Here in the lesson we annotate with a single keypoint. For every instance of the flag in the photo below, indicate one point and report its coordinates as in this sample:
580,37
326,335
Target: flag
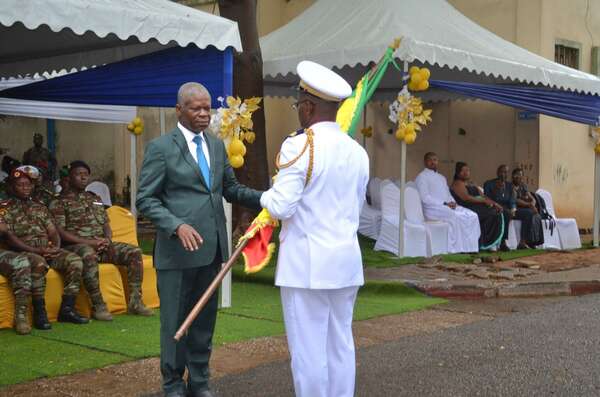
349,113
258,250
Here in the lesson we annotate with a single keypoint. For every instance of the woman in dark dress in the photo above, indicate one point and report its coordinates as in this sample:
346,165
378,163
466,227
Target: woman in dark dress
493,219
532,233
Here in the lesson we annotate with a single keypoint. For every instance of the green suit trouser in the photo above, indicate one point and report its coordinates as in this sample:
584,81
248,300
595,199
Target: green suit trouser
179,290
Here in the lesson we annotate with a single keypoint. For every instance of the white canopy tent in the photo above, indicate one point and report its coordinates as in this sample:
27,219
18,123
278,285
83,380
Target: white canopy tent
433,33
43,36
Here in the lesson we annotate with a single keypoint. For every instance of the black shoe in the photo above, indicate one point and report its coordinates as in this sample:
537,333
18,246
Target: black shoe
40,317
504,247
68,314
177,393
203,393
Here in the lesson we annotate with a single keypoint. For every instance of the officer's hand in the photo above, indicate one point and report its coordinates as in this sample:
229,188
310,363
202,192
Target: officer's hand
189,237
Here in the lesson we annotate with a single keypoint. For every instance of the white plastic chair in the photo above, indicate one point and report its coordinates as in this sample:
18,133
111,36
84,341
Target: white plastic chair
437,231
415,235
568,232
102,190
514,234
370,215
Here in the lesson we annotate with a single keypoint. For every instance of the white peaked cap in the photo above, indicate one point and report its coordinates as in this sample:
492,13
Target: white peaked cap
322,82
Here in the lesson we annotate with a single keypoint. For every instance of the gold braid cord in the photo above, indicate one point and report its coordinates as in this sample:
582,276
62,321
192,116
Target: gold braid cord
310,145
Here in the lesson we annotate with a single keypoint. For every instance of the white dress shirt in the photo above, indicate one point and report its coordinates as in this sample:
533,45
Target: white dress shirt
189,138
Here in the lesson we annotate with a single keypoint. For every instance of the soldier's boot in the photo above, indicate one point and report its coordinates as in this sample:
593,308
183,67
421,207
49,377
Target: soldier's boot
40,317
99,310
22,326
136,306
68,314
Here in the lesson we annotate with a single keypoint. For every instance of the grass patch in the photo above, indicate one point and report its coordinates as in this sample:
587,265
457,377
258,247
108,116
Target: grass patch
256,312
30,357
381,259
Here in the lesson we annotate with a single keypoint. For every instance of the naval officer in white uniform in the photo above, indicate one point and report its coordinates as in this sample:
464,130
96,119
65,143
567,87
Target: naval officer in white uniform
317,195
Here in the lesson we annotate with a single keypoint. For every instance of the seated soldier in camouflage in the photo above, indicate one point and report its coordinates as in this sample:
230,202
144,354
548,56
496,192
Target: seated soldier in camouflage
30,230
85,229
42,193
26,279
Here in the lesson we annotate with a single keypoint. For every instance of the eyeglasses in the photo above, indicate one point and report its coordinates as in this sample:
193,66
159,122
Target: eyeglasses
297,104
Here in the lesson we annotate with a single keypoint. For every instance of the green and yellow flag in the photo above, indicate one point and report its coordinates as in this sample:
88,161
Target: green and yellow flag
349,113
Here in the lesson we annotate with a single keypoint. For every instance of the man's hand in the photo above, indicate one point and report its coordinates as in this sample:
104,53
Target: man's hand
100,244
49,252
189,237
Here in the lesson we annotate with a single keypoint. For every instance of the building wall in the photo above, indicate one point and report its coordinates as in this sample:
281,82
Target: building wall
566,150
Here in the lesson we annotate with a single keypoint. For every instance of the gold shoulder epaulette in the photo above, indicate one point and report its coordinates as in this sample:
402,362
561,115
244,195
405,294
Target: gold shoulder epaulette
310,144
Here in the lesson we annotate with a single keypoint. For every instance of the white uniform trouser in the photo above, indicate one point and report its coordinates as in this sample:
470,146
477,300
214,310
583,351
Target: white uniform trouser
318,324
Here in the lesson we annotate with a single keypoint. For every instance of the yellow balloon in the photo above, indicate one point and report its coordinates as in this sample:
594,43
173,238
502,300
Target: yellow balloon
137,121
410,138
138,130
400,133
130,127
412,86
237,147
250,137
413,70
410,129
236,161
597,149
423,85
425,73
415,78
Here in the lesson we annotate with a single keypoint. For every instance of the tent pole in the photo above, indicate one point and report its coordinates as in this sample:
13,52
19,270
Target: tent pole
226,283
161,117
402,185
133,173
596,198
401,201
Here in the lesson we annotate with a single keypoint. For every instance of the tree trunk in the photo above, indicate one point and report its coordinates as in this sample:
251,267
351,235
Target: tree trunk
248,82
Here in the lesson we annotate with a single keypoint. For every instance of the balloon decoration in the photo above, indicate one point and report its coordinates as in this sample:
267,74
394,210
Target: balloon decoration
136,126
408,114
596,136
233,124
419,78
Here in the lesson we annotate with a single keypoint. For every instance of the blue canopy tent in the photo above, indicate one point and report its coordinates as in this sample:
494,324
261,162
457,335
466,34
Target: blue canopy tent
146,80
580,108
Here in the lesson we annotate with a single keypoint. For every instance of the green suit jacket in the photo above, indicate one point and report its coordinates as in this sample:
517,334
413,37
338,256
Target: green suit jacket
172,191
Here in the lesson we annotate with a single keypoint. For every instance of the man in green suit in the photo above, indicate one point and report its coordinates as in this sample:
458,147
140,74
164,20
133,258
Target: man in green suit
184,177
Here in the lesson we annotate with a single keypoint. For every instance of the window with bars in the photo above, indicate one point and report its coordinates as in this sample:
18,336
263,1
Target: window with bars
566,55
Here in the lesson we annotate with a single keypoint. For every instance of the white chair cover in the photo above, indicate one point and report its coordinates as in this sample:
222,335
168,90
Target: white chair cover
566,230
415,235
374,189
102,190
437,232
514,234
370,215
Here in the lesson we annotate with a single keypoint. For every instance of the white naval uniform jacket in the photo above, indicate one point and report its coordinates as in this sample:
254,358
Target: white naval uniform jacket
318,242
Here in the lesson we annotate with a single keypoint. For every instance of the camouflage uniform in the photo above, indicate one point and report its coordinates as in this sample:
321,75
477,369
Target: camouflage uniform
29,221
83,215
42,194
26,279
